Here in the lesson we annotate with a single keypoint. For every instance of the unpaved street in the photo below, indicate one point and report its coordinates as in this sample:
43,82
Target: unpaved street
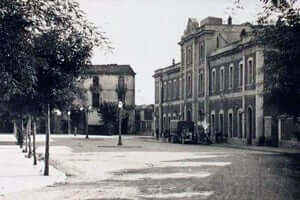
144,168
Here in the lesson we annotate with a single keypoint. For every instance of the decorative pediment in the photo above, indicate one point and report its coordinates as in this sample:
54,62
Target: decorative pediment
192,26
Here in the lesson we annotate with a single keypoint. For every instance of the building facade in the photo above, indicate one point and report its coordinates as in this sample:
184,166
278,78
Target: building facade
109,83
144,119
218,80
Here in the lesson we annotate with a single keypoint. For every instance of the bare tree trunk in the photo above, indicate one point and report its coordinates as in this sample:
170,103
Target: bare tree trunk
33,142
25,134
46,171
86,128
29,137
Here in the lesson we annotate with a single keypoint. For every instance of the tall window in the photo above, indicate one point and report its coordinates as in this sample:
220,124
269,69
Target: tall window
241,71
95,100
201,51
213,80
218,42
165,89
231,76
156,92
121,82
222,80
189,85
170,90
213,120
250,71
201,83
174,88
95,81
189,55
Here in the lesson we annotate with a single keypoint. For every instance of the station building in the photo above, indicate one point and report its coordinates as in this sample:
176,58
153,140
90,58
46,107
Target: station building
219,80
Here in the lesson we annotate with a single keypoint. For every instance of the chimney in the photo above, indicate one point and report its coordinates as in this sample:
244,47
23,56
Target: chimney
173,61
229,20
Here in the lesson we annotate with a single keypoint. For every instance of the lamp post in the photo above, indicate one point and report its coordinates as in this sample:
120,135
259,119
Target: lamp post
120,106
69,122
86,110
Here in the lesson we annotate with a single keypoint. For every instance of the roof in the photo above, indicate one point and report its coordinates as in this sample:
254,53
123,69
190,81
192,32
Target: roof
169,69
114,69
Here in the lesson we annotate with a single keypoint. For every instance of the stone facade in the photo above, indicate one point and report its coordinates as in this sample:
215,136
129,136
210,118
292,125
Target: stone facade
102,85
218,80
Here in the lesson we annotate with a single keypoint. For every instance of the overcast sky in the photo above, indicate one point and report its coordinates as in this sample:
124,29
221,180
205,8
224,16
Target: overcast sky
145,33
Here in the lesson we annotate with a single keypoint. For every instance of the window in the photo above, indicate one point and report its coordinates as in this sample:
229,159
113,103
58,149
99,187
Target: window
213,120
241,71
218,42
174,88
201,51
96,81
170,90
189,85
221,121
230,124
121,82
213,80
156,92
240,123
231,76
189,55
250,71
177,89
165,89
95,100
222,80
201,83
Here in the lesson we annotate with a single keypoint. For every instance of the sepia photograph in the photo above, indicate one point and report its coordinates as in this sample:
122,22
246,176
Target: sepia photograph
149,100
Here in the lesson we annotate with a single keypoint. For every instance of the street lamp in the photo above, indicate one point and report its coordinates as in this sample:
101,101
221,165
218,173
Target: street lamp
120,106
86,110
69,122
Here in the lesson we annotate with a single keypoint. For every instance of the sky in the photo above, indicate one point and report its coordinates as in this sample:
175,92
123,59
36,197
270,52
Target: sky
145,33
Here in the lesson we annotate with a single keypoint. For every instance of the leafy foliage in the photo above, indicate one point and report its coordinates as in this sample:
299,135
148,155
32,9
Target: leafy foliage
279,32
109,114
46,46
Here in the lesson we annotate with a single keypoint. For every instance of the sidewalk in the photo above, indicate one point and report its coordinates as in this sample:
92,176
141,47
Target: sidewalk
260,148
17,173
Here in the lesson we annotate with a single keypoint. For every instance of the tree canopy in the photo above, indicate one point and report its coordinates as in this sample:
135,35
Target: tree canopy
46,46
279,32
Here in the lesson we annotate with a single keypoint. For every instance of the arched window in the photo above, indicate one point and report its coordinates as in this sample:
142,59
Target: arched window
250,71
222,79
241,72
213,122
231,76
221,121
230,123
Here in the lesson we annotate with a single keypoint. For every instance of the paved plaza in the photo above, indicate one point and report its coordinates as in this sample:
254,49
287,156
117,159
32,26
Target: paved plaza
144,168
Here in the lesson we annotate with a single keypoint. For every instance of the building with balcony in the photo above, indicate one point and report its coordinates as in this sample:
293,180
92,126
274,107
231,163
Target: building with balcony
109,83
218,80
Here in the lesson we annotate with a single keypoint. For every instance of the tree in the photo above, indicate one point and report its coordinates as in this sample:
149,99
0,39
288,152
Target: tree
278,31
109,113
47,46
